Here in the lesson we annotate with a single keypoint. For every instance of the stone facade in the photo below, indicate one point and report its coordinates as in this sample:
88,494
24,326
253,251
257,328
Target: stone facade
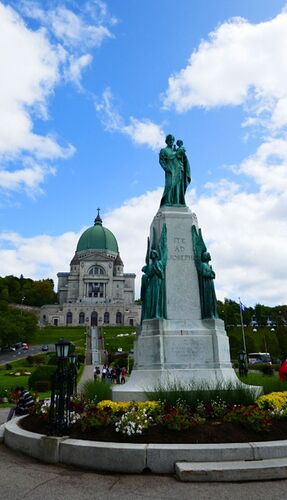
96,291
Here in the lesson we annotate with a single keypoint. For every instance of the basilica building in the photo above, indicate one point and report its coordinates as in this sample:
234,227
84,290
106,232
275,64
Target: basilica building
96,291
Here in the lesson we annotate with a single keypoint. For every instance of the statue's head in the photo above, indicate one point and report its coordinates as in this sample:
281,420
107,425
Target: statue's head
205,257
169,140
179,143
154,255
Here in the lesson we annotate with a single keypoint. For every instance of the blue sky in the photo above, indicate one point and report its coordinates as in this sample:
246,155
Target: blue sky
89,90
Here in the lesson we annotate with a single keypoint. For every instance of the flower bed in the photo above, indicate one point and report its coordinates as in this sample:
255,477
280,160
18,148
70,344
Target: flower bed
159,422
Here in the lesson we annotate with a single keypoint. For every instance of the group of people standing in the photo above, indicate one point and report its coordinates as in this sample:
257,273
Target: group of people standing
110,375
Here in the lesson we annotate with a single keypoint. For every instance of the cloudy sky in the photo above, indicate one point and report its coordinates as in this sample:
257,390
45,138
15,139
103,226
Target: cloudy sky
88,91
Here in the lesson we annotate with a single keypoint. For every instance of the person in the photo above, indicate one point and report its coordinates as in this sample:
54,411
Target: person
282,371
123,375
97,372
24,403
177,172
104,373
118,374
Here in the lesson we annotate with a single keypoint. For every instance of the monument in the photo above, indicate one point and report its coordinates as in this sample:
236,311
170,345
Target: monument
181,340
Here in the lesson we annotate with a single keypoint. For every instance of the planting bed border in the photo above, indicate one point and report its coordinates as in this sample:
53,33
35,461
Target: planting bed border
253,457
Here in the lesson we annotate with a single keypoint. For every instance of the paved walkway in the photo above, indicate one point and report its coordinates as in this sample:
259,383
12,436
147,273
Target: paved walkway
88,374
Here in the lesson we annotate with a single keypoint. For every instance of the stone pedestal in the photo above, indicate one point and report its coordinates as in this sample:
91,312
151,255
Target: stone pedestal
183,348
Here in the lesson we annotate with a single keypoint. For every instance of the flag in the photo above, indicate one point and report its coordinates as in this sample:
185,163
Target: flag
242,306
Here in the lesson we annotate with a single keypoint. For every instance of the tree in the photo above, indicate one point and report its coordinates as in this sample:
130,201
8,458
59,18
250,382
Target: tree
17,326
282,337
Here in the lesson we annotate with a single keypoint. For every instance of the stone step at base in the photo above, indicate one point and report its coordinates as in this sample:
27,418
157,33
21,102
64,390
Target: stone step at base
253,470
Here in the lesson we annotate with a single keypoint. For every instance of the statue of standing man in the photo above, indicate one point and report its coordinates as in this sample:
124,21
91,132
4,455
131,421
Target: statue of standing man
175,163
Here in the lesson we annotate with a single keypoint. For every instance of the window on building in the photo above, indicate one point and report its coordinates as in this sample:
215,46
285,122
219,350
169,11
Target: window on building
131,322
96,271
69,318
95,289
94,318
81,318
119,318
106,317
55,322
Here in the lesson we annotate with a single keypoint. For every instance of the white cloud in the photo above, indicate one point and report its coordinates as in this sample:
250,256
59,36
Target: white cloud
142,132
37,257
76,67
31,68
82,27
240,63
34,61
28,178
145,132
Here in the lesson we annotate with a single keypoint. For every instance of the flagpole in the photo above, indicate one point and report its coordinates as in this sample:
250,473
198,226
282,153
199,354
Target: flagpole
242,327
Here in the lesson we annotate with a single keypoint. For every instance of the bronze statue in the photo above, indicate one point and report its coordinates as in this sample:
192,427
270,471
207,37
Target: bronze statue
153,279
206,276
175,163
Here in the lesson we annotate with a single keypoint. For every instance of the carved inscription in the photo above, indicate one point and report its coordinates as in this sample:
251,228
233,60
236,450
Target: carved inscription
179,250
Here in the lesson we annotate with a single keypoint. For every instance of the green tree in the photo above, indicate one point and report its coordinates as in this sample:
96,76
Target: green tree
281,331
16,326
4,299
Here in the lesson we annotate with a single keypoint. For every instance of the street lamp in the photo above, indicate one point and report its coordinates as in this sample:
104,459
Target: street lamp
62,390
242,358
62,348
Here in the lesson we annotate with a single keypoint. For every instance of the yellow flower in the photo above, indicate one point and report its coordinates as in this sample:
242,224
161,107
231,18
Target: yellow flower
273,401
123,406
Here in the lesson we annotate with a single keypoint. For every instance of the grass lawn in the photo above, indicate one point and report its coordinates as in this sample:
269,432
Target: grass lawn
116,337
51,335
9,382
270,383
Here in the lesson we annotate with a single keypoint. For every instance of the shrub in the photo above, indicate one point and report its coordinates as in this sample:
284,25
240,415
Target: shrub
230,393
41,374
43,386
40,359
52,360
30,360
96,390
267,370
8,366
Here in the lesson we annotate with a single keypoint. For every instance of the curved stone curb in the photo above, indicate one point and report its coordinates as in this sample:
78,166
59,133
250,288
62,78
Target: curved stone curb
135,458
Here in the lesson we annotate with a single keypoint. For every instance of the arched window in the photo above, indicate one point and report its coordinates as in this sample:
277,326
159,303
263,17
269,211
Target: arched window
69,318
106,317
96,271
81,318
119,318
94,318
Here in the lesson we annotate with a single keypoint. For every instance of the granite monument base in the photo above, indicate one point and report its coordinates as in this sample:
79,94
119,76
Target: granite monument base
178,353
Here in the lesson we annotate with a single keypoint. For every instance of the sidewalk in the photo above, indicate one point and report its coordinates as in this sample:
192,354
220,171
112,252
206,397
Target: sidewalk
88,374
3,414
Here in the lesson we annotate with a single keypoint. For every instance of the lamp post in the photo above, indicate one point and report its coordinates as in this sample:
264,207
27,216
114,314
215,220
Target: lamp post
62,390
73,358
242,358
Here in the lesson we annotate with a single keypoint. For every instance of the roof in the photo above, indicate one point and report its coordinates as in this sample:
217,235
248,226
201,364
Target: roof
98,237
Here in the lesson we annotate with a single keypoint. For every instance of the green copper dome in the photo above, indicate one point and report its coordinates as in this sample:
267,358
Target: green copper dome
98,237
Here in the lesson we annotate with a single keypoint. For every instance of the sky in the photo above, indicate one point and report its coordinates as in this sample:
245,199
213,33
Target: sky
88,92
